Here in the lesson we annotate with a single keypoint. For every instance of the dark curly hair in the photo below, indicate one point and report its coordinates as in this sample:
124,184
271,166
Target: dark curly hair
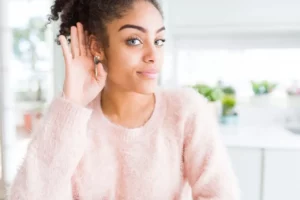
93,14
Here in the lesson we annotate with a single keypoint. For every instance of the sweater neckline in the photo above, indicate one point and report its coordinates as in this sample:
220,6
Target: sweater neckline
149,126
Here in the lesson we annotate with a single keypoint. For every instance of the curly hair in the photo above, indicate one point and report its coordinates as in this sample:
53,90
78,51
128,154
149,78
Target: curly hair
93,14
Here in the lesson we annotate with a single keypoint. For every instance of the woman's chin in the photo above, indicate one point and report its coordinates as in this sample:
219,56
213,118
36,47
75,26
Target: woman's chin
148,88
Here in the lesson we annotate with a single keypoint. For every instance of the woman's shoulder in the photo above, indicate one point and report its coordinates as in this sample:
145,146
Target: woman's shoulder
184,99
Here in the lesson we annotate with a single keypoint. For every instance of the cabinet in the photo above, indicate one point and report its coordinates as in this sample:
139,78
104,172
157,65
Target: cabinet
247,164
281,176
267,174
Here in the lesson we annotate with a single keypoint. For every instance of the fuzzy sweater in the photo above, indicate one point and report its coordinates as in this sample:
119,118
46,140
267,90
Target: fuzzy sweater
78,154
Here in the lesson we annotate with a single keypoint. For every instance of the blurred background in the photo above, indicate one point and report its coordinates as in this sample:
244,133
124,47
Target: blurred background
243,56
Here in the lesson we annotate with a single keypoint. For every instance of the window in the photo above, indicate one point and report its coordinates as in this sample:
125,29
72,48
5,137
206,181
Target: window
31,59
27,74
31,50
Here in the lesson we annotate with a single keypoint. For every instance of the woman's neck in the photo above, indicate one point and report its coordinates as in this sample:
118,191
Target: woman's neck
127,108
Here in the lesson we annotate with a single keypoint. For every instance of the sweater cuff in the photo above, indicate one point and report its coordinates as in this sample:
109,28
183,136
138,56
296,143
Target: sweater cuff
67,114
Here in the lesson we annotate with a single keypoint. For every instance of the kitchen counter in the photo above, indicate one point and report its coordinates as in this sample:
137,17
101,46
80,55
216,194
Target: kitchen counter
261,155
269,137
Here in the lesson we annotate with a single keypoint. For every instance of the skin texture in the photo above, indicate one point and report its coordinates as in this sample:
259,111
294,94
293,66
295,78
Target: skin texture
135,45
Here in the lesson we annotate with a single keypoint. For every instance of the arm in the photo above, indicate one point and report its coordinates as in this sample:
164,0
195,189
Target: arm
206,162
53,154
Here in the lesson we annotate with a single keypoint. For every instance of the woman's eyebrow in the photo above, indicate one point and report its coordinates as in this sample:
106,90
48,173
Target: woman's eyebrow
140,28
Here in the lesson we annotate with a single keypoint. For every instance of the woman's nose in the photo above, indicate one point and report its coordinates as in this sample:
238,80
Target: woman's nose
150,55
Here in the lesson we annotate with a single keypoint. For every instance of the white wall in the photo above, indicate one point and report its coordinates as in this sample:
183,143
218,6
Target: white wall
236,22
232,24
235,14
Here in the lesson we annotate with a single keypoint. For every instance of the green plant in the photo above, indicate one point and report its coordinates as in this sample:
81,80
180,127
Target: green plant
228,104
263,87
211,93
228,90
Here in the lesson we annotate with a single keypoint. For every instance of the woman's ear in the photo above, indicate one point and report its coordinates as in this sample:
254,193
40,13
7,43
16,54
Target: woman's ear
96,48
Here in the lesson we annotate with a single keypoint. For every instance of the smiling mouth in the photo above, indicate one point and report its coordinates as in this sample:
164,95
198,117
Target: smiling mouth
148,75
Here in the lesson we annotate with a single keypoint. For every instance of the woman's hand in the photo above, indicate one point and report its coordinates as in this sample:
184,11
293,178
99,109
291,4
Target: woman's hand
81,84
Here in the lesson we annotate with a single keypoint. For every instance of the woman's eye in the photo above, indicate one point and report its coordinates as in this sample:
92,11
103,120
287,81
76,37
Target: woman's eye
133,42
160,42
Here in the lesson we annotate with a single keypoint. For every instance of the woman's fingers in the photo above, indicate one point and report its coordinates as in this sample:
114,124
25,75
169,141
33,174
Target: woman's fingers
65,49
81,39
74,42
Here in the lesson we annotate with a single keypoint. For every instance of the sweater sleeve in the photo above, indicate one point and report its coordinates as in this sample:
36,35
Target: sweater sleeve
206,162
53,154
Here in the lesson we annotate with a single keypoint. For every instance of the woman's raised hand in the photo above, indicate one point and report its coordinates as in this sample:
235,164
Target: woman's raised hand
83,79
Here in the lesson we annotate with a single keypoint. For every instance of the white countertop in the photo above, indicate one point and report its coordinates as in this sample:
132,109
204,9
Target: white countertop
271,137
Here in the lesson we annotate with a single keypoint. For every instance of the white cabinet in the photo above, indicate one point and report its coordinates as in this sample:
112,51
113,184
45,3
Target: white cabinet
281,175
267,174
247,166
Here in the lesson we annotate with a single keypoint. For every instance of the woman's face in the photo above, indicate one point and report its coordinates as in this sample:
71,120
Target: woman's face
135,54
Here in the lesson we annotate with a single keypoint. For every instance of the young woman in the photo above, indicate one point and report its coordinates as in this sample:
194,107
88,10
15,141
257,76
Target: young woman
113,134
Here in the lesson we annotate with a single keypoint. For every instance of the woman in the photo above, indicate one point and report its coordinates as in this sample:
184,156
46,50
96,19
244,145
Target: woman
114,135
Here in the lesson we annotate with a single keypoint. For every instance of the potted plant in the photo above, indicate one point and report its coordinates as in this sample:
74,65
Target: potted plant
263,87
229,114
262,91
228,103
229,90
213,95
293,93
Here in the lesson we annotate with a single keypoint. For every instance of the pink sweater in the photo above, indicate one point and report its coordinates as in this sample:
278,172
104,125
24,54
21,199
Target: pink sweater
78,154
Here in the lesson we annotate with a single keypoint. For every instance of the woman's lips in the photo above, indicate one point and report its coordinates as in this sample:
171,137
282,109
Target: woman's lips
151,74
